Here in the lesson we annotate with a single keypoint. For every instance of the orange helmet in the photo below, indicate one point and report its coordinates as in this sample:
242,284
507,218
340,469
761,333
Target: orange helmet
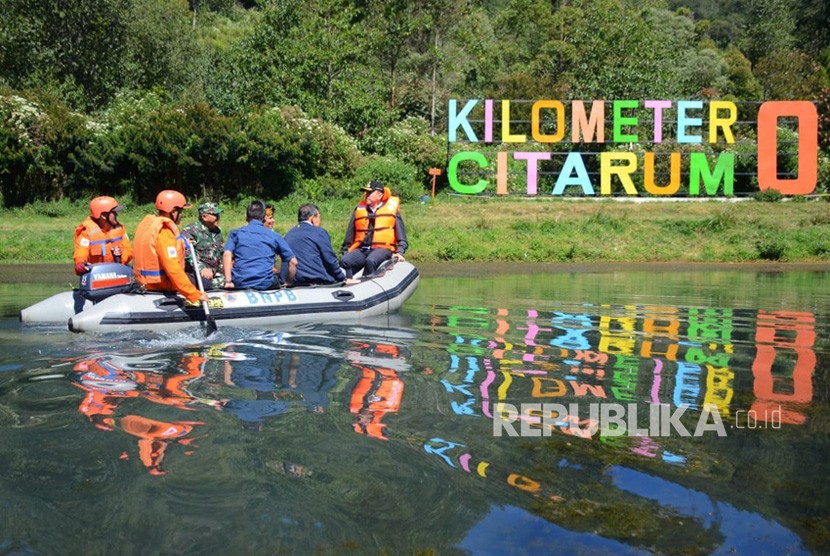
169,199
100,205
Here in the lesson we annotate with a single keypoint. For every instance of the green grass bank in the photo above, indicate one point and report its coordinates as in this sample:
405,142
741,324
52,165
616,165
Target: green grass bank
543,229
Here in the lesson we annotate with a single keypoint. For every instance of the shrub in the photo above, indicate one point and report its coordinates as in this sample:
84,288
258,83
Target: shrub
41,142
768,196
269,153
823,180
324,187
324,148
409,141
400,177
148,142
770,248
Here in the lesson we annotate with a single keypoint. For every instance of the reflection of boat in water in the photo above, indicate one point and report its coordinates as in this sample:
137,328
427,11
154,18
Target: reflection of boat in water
383,293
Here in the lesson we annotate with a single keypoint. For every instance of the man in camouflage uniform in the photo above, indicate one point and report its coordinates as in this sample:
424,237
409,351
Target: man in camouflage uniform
209,243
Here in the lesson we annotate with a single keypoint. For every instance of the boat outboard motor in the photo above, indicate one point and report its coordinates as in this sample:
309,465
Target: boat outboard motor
104,280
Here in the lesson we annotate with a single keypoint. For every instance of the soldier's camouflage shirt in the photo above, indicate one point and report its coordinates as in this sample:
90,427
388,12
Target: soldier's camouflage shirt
209,246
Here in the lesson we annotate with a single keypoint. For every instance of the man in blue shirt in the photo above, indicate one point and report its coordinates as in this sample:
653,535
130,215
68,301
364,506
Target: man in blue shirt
251,252
316,261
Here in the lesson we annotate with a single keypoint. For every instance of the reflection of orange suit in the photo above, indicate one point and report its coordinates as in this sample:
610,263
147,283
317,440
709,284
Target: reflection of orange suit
155,436
107,385
378,392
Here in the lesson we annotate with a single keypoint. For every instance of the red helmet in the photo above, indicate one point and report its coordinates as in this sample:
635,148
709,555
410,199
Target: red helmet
100,205
169,199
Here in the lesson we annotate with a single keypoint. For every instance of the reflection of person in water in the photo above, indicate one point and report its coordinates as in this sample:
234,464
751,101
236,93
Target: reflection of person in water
284,379
309,375
256,377
155,436
378,391
108,381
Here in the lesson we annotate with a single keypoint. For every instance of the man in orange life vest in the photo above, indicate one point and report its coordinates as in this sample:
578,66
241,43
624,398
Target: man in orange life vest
160,249
100,238
376,232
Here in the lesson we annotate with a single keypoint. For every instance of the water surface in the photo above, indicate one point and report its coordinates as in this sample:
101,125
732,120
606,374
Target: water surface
399,434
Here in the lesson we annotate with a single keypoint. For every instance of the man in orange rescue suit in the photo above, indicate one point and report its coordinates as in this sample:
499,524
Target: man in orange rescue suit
160,249
376,232
100,238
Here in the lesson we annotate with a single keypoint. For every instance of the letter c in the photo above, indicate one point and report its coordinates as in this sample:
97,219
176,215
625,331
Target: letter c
452,172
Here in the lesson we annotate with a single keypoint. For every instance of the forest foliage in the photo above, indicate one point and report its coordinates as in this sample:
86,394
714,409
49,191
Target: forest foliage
229,98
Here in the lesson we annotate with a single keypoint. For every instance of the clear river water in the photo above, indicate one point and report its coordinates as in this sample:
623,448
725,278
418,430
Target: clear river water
505,410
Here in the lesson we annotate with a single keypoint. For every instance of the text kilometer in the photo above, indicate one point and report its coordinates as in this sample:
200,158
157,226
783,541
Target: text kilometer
610,419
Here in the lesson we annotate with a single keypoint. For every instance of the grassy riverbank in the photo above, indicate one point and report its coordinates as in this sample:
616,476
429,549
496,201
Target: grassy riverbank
511,230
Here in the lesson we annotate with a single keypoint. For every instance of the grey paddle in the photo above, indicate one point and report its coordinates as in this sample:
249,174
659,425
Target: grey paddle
210,326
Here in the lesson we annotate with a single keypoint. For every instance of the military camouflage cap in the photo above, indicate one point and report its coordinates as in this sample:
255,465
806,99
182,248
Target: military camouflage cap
209,208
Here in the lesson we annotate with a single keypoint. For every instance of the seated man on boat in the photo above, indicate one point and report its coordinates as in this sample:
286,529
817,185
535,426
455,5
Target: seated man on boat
376,232
316,260
100,238
209,244
160,249
269,216
251,253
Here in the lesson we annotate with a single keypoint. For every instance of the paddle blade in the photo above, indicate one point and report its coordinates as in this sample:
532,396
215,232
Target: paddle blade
210,325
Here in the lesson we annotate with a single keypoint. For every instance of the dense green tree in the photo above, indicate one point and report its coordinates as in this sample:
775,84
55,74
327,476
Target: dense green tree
89,51
813,29
441,54
309,54
274,96
160,50
392,24
76,47
624,52
742,83
788,75
534,52
770,26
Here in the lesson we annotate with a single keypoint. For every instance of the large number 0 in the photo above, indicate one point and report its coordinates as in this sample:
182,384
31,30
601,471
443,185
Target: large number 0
807,116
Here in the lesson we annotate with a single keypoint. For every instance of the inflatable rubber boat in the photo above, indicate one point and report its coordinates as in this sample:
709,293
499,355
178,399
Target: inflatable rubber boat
100,304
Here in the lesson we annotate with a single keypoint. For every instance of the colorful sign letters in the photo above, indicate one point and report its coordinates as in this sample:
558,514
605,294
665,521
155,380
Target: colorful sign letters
699,135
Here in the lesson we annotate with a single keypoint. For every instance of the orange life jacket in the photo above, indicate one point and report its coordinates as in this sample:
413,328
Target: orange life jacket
106,385
382,225
378,392
93,245
172,389
154,437
147,267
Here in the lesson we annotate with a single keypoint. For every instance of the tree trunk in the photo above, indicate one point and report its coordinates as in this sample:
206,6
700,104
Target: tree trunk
434,87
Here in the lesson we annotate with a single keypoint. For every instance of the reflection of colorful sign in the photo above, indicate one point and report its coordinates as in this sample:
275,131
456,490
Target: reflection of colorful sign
779,336
686,124
658,356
